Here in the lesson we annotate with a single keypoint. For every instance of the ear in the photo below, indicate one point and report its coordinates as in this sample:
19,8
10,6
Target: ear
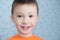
12,18
37,19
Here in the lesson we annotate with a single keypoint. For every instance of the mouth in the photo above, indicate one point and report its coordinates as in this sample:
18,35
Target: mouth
25,27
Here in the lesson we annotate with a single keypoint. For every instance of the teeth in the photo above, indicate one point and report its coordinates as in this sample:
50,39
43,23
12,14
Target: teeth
25,26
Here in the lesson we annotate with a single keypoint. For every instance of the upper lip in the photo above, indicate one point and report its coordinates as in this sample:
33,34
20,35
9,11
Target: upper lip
25,26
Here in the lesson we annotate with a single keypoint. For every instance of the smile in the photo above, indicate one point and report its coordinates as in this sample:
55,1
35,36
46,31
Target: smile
25,27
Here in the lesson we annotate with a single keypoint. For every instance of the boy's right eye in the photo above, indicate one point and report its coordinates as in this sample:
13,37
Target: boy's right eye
19,16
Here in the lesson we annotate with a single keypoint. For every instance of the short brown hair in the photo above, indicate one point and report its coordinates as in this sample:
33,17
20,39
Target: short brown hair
24,2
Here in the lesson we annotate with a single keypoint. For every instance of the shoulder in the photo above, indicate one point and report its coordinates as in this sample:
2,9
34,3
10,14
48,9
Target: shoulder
13,37
38,38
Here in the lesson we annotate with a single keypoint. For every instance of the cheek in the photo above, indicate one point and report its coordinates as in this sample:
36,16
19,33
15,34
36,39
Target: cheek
18,21
33,22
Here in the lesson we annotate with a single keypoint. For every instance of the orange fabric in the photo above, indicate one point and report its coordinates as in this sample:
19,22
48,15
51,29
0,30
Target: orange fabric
17,37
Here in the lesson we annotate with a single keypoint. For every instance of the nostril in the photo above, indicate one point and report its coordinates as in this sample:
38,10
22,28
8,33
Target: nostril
25,22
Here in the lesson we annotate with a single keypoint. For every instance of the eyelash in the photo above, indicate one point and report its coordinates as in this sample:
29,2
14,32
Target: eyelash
19,16
30,16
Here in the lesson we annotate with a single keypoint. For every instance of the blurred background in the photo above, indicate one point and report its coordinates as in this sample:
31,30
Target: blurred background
48,26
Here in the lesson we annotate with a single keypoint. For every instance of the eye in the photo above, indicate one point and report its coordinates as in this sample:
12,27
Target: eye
19,16
30,16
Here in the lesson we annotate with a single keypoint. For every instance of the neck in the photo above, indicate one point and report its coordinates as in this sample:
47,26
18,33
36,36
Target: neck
25,35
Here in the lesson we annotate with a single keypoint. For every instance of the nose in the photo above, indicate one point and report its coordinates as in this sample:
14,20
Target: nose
25,21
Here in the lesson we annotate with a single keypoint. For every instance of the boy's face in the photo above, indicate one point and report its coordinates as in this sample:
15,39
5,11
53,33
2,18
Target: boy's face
25,17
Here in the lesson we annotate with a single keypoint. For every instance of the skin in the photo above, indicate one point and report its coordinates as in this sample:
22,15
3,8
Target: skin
25,18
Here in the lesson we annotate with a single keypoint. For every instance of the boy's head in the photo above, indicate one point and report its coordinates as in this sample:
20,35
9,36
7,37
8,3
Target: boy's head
22,2
25,15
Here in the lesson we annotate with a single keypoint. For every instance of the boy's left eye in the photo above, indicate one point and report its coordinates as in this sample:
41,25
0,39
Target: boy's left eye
19,16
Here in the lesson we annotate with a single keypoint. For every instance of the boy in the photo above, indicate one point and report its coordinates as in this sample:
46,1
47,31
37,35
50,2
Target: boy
25,16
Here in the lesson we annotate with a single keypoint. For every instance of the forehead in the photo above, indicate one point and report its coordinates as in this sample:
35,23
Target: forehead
25,8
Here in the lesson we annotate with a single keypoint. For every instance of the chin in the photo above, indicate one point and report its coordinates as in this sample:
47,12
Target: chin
26,32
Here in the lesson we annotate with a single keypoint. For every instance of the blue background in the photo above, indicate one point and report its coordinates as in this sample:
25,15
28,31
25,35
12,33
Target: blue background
48,26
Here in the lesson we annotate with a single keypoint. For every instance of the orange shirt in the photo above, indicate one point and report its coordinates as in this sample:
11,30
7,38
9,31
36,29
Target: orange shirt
18,37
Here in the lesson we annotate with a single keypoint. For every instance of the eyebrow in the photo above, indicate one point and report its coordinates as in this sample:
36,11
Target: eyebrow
19,13
22,13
